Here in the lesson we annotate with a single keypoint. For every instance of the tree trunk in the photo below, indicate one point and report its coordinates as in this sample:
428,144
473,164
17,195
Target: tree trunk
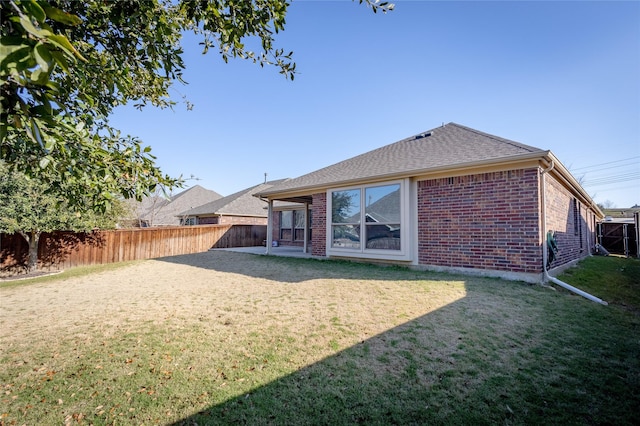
33,239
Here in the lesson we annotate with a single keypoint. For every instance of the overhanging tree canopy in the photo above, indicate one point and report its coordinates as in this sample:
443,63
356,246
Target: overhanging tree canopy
65,65
27,209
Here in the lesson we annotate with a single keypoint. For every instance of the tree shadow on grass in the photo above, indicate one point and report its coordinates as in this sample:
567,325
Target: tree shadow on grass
396,377
505,353
457,365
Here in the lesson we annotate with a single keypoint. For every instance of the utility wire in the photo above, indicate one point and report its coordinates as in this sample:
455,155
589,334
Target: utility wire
597,175
618,166
607,163
625,177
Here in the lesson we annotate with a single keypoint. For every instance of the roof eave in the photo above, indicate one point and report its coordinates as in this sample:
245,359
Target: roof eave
309,189
570,180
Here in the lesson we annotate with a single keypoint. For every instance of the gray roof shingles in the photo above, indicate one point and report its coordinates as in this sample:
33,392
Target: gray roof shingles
241,203
163,211
449,145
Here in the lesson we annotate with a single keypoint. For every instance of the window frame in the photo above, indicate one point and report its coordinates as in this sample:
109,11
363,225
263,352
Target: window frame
294,233
298,230
283,229
189,221
362,251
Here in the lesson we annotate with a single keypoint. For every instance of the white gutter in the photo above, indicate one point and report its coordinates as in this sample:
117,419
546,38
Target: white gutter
548,277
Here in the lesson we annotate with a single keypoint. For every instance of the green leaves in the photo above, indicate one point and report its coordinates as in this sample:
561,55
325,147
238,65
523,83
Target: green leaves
383,6
34,10
43,56
64,68
30,206
16,57
234,22
61,16
44,162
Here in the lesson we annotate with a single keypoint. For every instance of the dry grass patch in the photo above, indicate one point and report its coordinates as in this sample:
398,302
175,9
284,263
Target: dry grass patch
225,337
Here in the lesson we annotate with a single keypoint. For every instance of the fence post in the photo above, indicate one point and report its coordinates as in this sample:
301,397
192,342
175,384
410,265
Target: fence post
636,216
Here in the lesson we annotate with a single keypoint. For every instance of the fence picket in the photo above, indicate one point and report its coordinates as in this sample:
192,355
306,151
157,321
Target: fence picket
61,250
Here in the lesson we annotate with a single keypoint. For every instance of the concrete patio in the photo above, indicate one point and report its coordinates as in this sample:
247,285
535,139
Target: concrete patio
284,251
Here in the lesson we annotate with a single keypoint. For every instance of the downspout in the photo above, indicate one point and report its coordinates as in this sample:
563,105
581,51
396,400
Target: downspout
548,277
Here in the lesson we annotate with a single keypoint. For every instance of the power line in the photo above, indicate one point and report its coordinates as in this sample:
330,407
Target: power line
626,187
598,175
618,166
625,177
607,163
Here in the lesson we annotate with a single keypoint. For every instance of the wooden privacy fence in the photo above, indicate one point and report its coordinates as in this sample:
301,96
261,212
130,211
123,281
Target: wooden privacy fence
61,250
620,238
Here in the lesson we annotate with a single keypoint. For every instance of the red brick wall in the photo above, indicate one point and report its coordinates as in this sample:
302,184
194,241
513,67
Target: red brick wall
319,225
482,221
242,220
572,222
275,232
232,220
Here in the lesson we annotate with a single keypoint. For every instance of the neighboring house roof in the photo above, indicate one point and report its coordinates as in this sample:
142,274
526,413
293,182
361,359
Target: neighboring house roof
448,146
385,209
621,215
242,203
162,211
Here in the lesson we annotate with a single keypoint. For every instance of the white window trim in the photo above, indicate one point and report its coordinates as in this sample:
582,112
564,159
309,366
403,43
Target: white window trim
406,249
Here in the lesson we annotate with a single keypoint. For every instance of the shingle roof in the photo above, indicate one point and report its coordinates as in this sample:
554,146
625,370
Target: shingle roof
162,211
242,203
450,145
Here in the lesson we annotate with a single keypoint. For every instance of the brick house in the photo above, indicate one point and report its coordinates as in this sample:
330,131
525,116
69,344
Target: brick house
240,208
451,199
157,210
288,224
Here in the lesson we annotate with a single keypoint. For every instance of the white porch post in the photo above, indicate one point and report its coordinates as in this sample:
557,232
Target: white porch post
269,226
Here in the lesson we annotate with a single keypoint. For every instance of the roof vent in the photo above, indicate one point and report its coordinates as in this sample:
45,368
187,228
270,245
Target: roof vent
423,135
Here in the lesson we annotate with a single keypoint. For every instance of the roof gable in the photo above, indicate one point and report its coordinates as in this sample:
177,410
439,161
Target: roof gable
162,211
448,146
241,203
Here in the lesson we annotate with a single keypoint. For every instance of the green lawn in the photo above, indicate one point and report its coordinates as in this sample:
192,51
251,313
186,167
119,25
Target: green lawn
343,343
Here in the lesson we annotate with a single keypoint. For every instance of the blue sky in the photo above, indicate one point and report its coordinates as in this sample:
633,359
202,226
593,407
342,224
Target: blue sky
563,76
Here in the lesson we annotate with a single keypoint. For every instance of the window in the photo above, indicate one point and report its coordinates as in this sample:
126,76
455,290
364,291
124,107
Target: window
292,225
298,221
367,218
189,221
286,222
382,217
345,218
